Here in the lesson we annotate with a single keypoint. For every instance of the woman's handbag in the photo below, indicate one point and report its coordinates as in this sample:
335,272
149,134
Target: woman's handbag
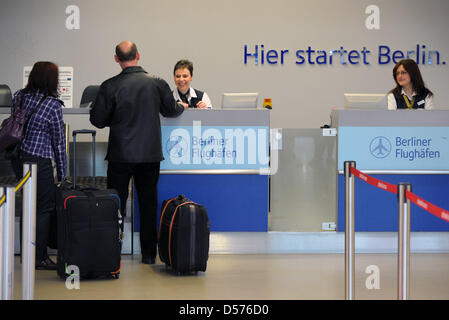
12,153
13,128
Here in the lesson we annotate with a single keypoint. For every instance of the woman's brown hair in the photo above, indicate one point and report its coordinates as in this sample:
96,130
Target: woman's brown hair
44,77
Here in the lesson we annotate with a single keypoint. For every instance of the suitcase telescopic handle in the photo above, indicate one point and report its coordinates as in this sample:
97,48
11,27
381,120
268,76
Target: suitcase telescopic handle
84,131
75,133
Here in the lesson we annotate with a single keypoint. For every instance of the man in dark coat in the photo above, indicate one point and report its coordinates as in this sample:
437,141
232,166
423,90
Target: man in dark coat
130,104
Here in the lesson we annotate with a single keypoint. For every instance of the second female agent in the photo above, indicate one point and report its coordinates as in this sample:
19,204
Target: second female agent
410,91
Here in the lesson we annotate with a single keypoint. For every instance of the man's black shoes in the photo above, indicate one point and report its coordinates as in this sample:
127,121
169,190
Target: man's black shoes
45,264
147,260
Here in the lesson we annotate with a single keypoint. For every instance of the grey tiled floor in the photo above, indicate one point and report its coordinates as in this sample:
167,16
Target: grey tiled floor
254,276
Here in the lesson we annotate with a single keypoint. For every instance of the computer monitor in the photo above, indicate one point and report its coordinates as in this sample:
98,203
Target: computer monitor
240,100
5,96
89,95
365,101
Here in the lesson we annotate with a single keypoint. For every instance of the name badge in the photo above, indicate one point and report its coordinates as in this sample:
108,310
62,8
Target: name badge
421,102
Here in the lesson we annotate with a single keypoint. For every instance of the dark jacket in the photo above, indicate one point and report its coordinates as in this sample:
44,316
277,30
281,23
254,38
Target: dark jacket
129,104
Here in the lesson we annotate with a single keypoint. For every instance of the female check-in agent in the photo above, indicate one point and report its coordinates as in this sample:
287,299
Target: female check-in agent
184,94
410,91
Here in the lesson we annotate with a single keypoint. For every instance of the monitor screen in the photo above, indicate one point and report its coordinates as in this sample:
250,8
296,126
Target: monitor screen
5,96
365,101
240,100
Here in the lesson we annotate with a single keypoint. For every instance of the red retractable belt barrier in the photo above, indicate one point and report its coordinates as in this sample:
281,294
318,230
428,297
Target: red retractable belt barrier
429,207
420,202
375,182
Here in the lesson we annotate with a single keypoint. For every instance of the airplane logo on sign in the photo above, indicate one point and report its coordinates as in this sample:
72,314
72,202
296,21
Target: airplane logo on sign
176,146
380,147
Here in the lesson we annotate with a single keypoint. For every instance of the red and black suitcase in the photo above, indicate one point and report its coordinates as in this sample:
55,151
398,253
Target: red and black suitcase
184,231
88,227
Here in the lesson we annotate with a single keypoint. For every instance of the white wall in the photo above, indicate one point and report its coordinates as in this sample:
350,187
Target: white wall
213,33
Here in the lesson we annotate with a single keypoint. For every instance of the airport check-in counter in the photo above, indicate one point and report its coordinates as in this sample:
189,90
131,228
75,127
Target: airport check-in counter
393,146
217,158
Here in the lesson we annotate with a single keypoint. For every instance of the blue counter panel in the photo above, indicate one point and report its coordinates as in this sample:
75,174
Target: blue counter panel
233,202
377,210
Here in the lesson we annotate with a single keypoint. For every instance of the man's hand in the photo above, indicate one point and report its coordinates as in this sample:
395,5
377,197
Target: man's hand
185,105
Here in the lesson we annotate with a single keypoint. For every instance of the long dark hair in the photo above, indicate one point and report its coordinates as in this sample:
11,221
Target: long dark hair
415,77
44,77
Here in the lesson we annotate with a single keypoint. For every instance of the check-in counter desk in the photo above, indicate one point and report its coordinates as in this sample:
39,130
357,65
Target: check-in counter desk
217,158
394,146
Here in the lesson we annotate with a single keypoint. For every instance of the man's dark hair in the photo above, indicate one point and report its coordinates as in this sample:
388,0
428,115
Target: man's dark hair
184,64
126,56
44,77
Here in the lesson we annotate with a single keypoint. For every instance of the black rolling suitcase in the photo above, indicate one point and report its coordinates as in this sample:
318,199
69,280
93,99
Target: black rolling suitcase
184,235
88,226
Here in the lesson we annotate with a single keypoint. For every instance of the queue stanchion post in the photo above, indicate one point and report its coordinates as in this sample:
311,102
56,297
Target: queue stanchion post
349,230
8,244
404,242
2,240
29,231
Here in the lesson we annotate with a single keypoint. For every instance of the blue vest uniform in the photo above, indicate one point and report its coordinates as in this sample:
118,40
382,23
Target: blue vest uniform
418,104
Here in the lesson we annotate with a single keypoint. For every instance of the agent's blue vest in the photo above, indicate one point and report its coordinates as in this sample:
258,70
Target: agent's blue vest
194,101
419,103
